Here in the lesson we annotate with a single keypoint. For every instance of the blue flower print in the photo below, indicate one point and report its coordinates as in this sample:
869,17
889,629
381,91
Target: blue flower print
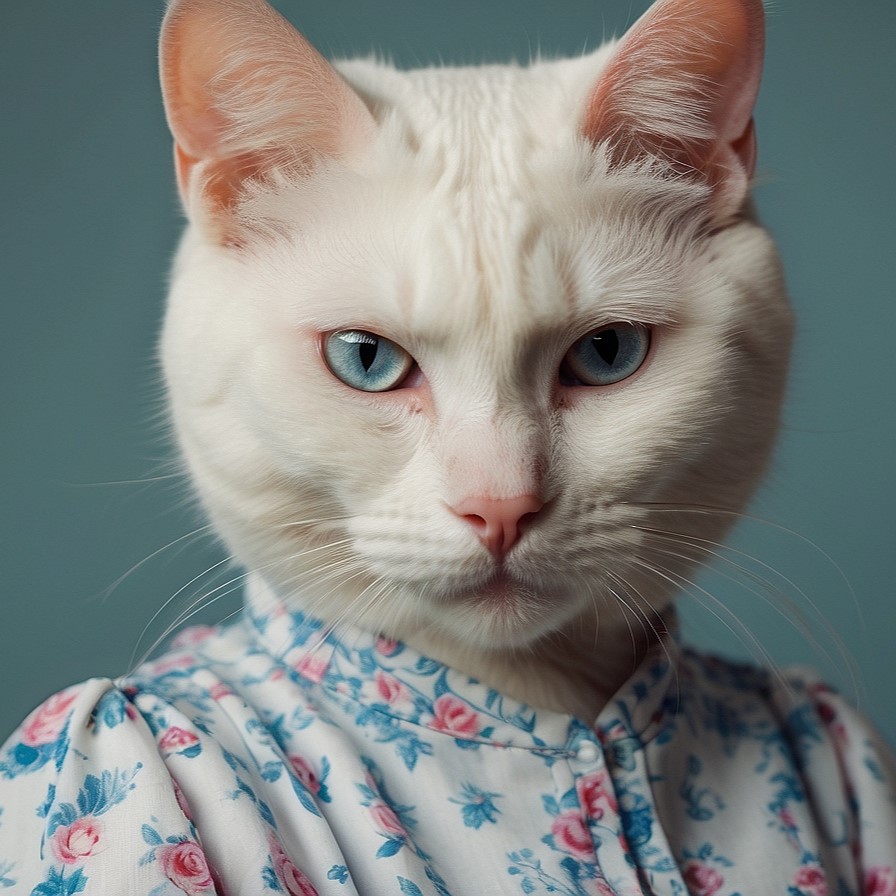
478,806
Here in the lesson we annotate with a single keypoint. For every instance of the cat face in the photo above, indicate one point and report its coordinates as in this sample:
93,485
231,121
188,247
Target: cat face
474,356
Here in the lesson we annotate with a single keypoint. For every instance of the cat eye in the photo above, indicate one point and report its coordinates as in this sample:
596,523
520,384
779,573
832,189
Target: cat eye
606,356
366,361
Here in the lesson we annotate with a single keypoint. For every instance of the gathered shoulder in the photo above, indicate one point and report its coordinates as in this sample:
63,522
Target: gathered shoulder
81,771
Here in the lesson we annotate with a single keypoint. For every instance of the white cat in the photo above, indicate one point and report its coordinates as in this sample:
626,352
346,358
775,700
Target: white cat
492,489
469,367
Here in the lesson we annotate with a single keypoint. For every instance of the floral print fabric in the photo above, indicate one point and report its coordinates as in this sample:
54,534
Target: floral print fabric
272,757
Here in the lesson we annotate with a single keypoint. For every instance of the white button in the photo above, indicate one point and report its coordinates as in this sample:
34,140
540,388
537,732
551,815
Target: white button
588,752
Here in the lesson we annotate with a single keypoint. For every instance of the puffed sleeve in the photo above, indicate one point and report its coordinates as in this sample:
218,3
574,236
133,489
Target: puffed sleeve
867,768
88,806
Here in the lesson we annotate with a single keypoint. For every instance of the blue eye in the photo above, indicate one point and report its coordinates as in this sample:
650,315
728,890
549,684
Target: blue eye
366,361
606,356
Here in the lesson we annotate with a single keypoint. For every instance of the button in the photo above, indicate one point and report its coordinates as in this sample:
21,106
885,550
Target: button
588,752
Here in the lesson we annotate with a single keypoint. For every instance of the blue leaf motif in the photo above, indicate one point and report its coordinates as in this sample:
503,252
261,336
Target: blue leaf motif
304,796
425,666
409,751
5,879
92,796
57,884
440,686
390,847
637,818
409,888
98,795
874,767
270,879
64,815
110,710
151,836
44,809
271,771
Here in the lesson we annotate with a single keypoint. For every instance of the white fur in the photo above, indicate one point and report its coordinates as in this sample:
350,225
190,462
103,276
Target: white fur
481,232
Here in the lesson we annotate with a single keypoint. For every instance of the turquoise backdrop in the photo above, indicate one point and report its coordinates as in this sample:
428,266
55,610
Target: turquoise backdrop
95,538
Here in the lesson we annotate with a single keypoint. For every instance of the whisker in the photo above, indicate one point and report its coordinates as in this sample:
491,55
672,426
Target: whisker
772,596
133,664
721,612
195,533
195,605
771,524
645,615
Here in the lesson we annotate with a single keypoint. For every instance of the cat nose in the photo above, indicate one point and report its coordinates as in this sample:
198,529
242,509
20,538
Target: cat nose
498,521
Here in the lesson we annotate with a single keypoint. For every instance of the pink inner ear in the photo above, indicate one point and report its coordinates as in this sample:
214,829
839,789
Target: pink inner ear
681,86
245,93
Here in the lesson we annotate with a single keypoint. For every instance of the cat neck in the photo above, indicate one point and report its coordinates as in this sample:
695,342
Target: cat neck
575,671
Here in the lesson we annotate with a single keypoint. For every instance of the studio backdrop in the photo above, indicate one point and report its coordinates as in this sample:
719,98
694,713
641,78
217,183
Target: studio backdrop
102,549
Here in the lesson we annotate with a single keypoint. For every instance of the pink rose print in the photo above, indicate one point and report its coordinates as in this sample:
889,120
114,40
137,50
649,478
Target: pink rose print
176,662
455,717
314,668
386,646
390,688
828,714
176,740
46,723
596,795
785,816
78,840
702,880
880,881
182,801
185,866
219,691
190,637
293,881
305,773
571,835
811,881
386,820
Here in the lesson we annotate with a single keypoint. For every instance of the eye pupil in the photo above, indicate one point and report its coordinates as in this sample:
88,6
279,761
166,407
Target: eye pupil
367,354
606,356
606,344
366,361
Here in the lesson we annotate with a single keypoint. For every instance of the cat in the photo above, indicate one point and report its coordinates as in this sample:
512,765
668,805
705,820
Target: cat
470,367
492,500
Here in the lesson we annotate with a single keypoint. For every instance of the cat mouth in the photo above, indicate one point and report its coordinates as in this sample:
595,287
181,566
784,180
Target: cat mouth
499,588
503,591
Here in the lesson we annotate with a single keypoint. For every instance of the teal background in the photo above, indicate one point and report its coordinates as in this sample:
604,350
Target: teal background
89,221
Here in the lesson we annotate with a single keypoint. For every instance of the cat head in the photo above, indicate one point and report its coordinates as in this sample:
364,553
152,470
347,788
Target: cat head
476,353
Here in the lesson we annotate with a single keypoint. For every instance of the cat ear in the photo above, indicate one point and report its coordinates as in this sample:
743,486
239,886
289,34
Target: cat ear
681,87
245,94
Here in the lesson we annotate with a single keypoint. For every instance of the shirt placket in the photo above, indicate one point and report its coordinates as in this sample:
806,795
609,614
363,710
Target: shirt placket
586,772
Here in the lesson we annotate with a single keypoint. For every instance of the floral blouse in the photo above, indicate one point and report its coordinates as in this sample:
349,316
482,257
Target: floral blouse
271,757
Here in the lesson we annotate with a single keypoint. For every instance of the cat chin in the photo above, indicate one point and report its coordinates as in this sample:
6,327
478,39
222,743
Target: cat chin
501,614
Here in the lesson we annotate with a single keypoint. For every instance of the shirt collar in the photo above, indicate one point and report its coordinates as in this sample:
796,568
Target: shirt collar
389,677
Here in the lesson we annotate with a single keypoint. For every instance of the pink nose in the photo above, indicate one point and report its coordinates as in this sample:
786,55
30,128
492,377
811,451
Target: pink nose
498,521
